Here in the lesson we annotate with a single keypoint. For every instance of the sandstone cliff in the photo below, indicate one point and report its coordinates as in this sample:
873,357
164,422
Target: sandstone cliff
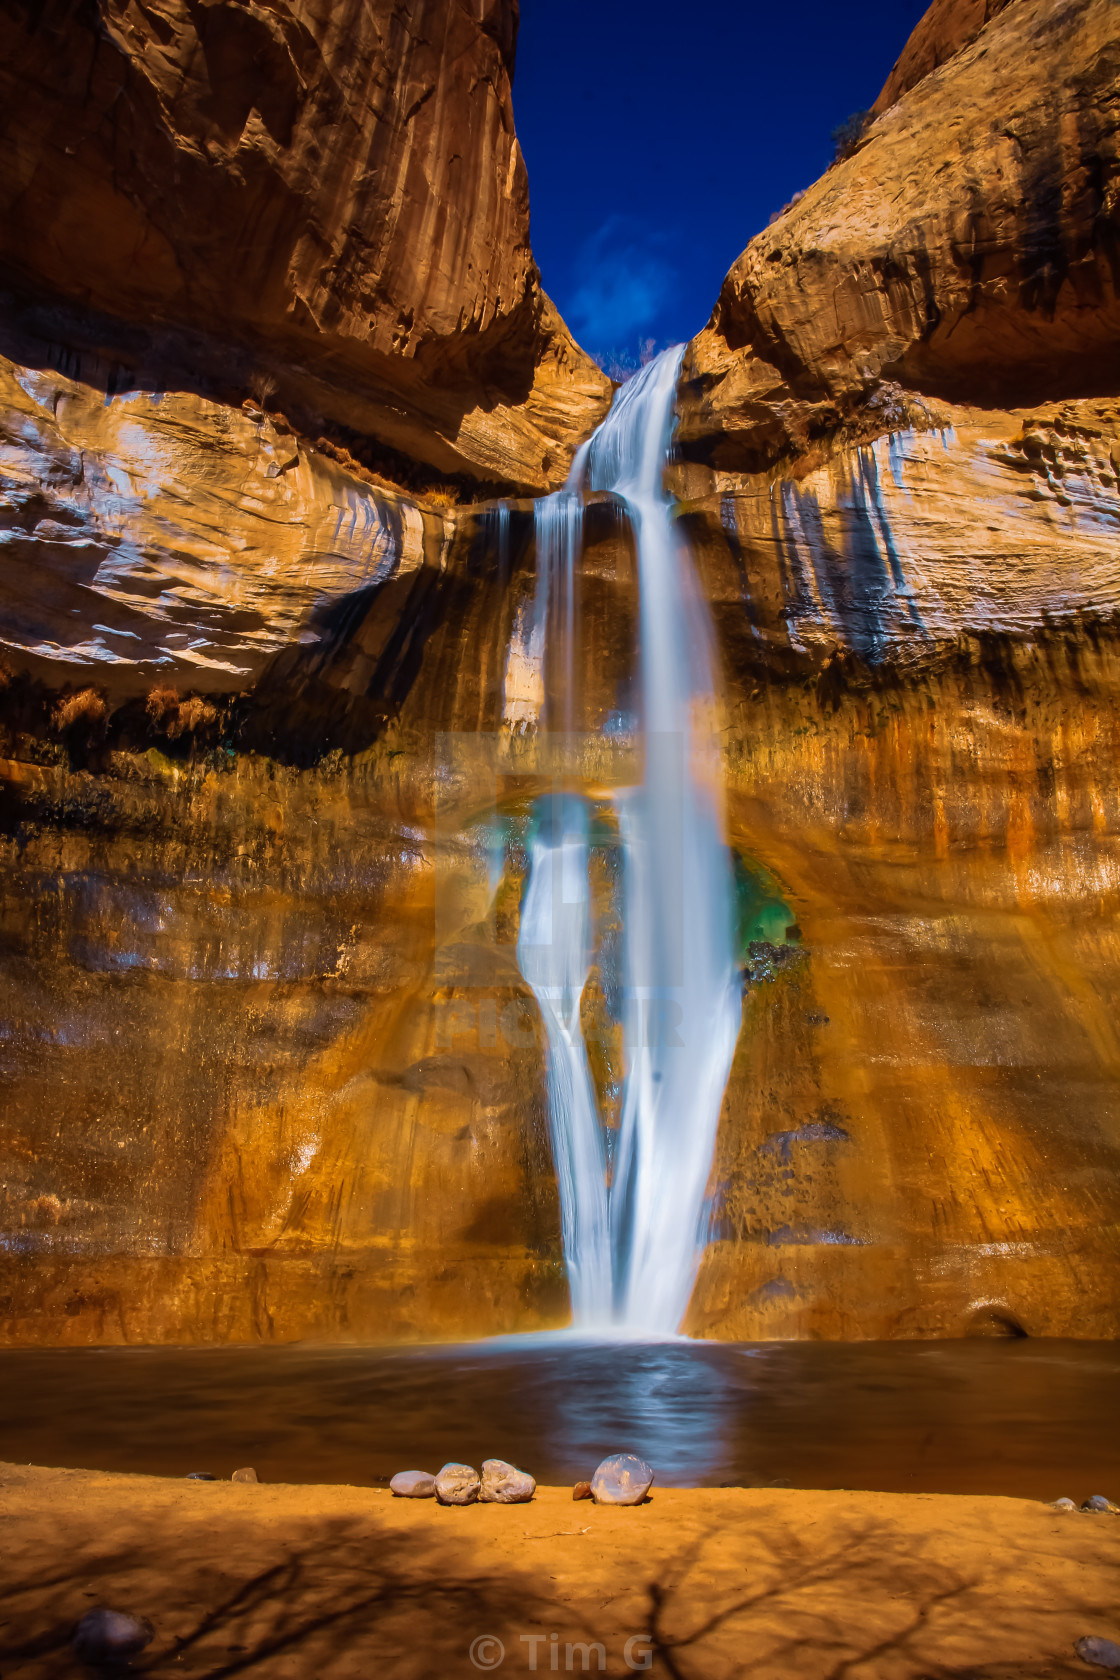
269,747
901,432
969,250
325,199
948,26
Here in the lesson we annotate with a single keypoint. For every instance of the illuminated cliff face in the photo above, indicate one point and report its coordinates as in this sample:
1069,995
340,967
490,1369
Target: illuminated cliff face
922,748
271,1067
249,1093
327,202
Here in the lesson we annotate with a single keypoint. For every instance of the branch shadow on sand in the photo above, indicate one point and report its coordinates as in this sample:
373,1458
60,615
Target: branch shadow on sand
332,1598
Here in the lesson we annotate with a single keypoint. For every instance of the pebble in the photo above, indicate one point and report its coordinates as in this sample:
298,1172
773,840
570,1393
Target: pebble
1102,1653
246,1475
110,1636
622,1479
582,1490
1062,1505
200,1476
1099,1503
413,1484
457,1484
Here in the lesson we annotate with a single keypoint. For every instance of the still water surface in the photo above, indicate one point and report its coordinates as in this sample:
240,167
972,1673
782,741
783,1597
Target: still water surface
1033,1419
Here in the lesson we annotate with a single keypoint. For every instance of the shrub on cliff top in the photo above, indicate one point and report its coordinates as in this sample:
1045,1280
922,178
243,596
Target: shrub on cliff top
847,135
788,205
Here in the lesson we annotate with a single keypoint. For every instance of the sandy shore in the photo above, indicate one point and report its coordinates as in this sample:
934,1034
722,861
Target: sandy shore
321,1582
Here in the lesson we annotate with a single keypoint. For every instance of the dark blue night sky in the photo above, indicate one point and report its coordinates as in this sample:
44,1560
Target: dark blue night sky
660,137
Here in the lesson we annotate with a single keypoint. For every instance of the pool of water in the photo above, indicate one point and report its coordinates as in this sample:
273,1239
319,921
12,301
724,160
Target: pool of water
1034,1419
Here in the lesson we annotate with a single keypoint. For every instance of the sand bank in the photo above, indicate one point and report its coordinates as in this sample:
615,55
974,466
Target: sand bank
778,1584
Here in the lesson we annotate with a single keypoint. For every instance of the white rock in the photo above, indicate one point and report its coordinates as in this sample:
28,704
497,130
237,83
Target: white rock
413,1484
504,1484
623,1479
457,1484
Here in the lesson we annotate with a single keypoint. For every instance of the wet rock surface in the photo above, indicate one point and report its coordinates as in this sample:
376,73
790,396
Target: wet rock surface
622,1479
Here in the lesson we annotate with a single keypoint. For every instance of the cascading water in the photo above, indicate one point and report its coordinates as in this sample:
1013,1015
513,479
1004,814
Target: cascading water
554,945
554,950
681,984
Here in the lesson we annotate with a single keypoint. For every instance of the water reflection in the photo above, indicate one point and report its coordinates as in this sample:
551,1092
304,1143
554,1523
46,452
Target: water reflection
1029,1418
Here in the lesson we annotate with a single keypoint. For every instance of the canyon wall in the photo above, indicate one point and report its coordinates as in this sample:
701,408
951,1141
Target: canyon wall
324,201
901,443
272,702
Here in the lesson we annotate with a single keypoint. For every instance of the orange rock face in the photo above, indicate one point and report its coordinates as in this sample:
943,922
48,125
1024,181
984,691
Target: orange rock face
905,587
331,195
948,26
269,738
919,1133
969,250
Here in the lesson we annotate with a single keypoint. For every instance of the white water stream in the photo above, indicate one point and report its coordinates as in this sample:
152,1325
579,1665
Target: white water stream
680,980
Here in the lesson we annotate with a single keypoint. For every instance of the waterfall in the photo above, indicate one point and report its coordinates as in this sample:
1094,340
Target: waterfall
680,979
554,950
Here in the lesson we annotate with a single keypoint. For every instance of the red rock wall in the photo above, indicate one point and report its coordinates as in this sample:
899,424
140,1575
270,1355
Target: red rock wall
948,26
332,187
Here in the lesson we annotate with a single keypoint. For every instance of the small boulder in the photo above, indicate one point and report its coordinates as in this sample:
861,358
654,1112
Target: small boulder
582,1490
248,1474
504,1484
457,1484
1062,1505
413,1484
622,1479
200,1476
1098,1502
1101,1653
107,1636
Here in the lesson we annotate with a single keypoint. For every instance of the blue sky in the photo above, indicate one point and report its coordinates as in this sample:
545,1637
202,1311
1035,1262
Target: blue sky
660,137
